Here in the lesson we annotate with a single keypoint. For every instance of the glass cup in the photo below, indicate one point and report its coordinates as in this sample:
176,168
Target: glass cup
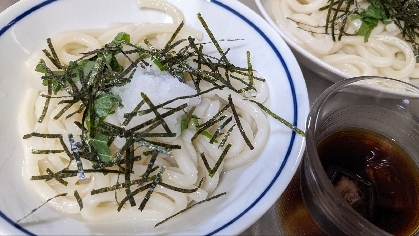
388,108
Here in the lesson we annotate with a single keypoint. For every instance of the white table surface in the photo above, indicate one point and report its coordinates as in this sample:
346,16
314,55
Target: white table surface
268,224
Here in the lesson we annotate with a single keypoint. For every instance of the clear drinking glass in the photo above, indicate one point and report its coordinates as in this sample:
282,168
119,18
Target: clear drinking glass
387,107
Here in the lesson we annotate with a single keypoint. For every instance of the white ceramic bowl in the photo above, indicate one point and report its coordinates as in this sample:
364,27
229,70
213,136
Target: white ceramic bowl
251,189
303,56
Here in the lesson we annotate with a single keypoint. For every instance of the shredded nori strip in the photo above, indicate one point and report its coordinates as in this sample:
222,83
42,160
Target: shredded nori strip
239,125
133,193
51,175
181,190
189,207
334,12
59,136
213,40
166,114
128,115
151,189
79,200
63,110
202,127
149,167
123,185
103,171
56,176
156,113
47,101
80,110
35,151
250,75
159,147
168,46
226,135
59,195
280,119
211,171
128,170
221,127
54,58
34,134
208,124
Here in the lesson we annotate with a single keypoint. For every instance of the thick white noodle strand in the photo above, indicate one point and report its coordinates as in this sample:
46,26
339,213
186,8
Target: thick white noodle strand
261,136
171,10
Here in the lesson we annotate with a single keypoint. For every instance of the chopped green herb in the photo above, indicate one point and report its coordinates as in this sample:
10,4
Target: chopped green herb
100,144
370,18
104,104
186,120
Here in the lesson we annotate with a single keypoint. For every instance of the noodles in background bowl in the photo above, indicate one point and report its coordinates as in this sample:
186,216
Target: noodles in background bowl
184,168
385,54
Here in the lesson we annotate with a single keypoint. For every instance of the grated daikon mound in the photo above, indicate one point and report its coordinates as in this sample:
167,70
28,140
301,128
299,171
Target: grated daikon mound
159,86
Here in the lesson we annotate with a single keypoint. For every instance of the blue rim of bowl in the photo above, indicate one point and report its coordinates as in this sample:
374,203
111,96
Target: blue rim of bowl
277,53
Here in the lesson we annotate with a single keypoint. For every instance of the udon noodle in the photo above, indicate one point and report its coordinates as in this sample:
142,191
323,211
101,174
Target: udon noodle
385,54
184,167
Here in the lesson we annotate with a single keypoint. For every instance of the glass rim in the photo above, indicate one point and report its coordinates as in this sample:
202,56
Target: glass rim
318,103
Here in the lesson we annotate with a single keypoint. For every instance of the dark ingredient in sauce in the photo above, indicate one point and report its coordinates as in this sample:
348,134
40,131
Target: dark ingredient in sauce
375,176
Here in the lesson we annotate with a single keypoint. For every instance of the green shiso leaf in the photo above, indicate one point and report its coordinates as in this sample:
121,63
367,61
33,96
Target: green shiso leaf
104,104
121,38
100,144
370,18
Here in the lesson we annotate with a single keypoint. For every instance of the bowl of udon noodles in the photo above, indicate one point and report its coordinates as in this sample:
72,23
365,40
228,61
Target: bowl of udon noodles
147,117
341,39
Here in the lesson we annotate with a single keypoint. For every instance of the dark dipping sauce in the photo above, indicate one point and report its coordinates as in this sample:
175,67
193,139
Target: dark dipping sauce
375,176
